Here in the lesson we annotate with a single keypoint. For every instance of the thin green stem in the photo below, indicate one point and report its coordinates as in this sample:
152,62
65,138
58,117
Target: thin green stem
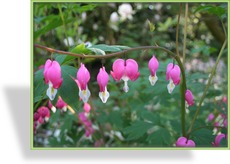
185,31
201,127
177,32
206,88
64,24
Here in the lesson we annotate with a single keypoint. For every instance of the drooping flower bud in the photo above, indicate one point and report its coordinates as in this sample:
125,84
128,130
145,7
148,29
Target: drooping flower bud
189,97
173,75
153,66
52,76
102,79
82,80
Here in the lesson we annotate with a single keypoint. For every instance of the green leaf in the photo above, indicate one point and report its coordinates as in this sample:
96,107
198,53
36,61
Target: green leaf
69,90
80,49
217,10
161,137
52,25
97,51
149,116
107,48
137,130
203,137
63,59
39,86
151,26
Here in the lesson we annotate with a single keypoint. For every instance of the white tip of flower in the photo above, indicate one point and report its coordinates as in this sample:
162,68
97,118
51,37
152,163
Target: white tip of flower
64,108
170,86
46,119
53,109
104,96
84,95
51,92
126,87
153,79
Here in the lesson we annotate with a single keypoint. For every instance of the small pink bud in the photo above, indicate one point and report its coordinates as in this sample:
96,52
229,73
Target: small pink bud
50,105
153,66
211,116
184,142
87,107
61,104
189,97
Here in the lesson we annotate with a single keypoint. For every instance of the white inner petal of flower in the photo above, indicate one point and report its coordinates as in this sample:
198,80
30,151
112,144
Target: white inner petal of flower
170,86
51,92
46,119
53,108
153,79
84,95
125,79
64,108
104,95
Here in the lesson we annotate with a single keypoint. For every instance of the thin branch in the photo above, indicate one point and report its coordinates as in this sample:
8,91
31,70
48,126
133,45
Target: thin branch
185,31
104,56
206,88
64,24
177,31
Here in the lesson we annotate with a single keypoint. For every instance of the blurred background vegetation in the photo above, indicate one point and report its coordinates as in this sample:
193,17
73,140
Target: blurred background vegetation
146,116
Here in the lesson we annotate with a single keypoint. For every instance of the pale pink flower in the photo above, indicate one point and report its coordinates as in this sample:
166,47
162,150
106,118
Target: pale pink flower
125,70
153,66
184,142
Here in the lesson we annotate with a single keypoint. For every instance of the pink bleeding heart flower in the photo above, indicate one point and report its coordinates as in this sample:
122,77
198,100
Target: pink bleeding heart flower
211,116
87,124
173,75
102,79
50,105
189,97
87,107
44,113
83,77
52,76
61,104
125,70
184,142
153,66
218,140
